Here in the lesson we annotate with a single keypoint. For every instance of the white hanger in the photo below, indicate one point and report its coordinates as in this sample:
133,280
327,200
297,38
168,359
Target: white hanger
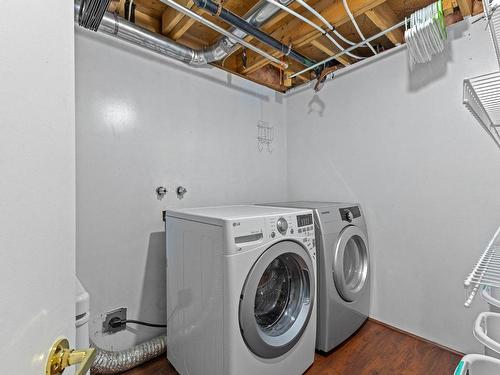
425,36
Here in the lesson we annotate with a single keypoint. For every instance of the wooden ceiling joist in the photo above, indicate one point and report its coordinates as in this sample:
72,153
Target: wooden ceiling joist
170,17
149,22
448,7
465,7
183,26
113,6
175,24
384,17
330,51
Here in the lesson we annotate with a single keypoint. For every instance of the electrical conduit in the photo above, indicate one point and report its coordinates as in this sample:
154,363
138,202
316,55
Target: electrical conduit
310,23
325,22
346,7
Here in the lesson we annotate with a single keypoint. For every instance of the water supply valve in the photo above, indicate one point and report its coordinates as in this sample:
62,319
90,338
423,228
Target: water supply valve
61,356
181,191
161,191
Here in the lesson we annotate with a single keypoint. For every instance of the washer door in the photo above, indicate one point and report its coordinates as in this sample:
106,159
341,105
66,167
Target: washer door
350,263
277,299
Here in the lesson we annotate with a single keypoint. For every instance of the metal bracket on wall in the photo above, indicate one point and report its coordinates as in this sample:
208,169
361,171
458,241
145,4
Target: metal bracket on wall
265,135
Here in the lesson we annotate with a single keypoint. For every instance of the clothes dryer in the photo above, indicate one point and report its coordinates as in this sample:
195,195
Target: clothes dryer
343,269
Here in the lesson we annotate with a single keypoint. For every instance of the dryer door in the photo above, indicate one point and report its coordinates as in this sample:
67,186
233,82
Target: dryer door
351,263
277,299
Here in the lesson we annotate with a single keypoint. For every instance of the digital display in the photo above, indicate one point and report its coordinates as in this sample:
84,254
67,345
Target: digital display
355,211
304,220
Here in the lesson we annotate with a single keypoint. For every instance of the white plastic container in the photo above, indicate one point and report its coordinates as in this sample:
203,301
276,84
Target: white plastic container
486,331
82,302
492,328
492,296
477,364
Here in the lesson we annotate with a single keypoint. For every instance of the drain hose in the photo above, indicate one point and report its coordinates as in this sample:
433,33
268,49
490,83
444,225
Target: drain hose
108,362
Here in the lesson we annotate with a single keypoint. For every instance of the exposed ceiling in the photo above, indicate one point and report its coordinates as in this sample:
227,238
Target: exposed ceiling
372,16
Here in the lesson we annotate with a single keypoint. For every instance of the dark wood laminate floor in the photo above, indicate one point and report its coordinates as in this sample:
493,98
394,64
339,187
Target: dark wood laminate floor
374,350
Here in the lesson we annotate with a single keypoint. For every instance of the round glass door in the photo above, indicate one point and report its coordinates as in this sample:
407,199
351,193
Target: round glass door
350,263
277,299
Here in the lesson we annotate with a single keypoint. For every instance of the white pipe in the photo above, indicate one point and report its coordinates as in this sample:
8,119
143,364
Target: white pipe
313,11
356,26
325,21
392,28
309,22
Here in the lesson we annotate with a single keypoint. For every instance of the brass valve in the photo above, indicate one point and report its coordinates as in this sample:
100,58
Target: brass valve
61,356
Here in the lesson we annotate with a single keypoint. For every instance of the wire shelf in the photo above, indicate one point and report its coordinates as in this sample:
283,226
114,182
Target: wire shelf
492,12
482,99
486,272
482,94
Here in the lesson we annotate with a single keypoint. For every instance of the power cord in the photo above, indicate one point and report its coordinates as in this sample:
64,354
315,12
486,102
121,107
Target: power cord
117,322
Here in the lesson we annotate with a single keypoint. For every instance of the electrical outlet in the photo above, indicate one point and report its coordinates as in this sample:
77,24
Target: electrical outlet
120,313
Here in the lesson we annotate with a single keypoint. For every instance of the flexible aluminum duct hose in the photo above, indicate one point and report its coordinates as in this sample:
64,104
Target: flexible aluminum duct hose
107,362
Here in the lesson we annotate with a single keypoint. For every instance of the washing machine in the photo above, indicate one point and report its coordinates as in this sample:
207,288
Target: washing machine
241,290
343,270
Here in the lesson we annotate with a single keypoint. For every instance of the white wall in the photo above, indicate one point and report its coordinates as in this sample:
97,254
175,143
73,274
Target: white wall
401,143
37,182
145,121
424,170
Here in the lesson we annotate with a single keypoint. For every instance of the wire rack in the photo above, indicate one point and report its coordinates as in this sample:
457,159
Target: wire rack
482,99
492,13
486,272
482,94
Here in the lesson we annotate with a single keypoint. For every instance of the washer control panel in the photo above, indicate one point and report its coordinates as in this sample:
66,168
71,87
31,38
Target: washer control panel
297,227
282,225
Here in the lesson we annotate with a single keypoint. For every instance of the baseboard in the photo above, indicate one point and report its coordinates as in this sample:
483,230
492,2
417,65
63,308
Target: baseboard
416,337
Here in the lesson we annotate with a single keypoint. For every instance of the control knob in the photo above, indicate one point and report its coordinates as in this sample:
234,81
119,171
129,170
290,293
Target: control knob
348,216
282,225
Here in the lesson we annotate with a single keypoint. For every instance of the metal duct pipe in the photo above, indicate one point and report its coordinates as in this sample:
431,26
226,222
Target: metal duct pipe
107,362
120,28
240,23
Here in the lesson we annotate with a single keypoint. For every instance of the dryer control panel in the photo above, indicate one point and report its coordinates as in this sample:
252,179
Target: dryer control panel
350,213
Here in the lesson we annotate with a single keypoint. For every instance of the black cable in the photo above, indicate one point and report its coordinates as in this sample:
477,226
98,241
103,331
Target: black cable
117,322
145,323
